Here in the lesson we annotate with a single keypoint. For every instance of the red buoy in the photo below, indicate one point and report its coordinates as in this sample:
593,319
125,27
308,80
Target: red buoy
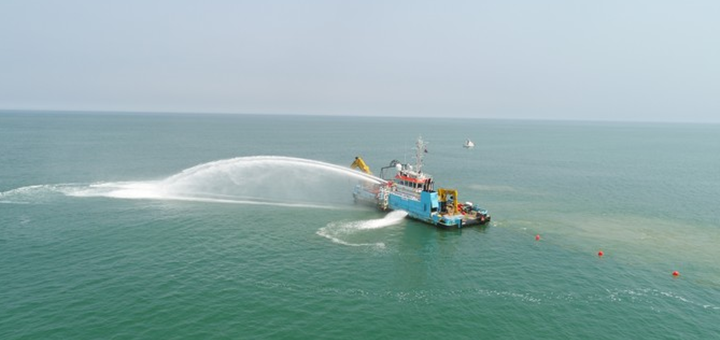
600,253
537,237
676,273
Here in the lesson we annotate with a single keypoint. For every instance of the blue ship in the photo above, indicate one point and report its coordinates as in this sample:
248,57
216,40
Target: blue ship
406,187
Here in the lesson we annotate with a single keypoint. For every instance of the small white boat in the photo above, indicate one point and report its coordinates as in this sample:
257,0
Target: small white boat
468,144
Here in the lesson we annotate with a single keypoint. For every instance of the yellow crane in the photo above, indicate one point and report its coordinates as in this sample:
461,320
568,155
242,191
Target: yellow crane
359,163
445,195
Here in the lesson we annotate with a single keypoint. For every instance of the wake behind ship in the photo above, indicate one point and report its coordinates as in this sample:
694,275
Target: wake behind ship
413,191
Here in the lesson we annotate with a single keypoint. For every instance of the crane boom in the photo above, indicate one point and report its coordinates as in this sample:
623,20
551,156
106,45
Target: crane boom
359,163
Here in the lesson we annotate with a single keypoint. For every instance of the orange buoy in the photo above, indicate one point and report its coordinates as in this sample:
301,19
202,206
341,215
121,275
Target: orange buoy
537,237
676,273
600,253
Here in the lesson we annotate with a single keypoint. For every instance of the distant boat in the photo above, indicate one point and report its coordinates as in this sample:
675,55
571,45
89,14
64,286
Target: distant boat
468,144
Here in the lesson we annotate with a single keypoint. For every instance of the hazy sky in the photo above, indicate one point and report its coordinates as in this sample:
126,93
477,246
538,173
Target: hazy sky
609,60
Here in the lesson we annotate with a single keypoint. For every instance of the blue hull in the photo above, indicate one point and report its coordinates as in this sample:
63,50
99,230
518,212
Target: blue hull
427,208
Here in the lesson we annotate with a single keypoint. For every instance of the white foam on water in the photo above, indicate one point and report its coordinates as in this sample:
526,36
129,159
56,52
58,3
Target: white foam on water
30,194
125,190
339,231
618,295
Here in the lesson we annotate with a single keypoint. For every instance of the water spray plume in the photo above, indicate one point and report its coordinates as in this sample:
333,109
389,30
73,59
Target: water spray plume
340,232
267,162
268,180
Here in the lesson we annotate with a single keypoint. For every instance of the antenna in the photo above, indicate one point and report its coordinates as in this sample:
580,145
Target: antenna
420,150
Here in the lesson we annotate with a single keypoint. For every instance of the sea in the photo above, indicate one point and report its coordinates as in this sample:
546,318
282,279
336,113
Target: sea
210,226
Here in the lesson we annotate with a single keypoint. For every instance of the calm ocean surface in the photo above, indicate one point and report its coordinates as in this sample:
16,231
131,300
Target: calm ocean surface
161,226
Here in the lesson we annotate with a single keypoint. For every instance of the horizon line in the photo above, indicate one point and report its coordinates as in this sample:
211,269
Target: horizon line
135,112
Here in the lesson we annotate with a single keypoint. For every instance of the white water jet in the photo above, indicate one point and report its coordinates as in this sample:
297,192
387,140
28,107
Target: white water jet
339,232
267,180
240,164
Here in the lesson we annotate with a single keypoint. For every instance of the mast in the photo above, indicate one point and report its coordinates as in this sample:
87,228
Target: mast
420,150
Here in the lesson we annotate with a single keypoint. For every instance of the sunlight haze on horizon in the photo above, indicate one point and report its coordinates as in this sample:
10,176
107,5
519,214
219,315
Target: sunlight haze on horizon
566,60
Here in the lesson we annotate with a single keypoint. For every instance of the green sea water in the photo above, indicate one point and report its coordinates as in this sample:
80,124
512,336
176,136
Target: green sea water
169,226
